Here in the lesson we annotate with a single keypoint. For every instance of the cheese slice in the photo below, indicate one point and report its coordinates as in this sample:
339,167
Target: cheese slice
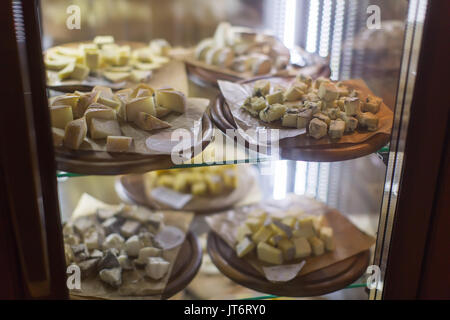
80,72
101,128
171,99
161,111
83,103
60,116
116,76
140,75
118,143
137,105
146,121
269,254
74,134
66,72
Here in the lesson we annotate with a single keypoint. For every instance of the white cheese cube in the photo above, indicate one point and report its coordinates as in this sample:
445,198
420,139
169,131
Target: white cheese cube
323,117
60,116
328,91
114,240
368,120
290,119
272,112
118,143
261,88
317,128
74,133
116,77
101,128
157,268
351,106
148,252
171,99
113,276
304,118
137,105
371,104
99,112
337,128
132,246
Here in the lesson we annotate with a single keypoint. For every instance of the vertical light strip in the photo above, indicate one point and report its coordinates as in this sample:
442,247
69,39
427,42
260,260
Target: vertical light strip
324,176
311,179
325,29
313,21
350,34
290,11
335,60
300,177
280,180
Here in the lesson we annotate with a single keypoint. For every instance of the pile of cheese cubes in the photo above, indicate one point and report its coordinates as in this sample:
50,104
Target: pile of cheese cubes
204,181
118,63
277,241
228,50
321,106
96,114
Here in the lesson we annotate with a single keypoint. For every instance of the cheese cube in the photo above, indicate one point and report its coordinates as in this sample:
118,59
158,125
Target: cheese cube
66,100
337,128
160,47
74,134
161,111
328,91
333,113
290,119
99,112
109,102
83,103
258,104
58,137
225,58
261,88
368,120
147,252
157,268
146,121
199,188
276,97
60,116
351,123
326,235
371,104
274,240
116,77
351,106
138,105
302,248
323,117
101,128
113,276
272,112
289,221
80,72
118,143
281,229
132,246
244,247
202,48
269,254
92,58
254,224
171,99
140,75
305,228
304,118
317,128
261,65
241,64
318,82
262,235
317,245
243,231
287,247
293,93
102,40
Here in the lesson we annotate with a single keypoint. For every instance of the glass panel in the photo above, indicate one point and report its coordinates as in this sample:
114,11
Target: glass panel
376,41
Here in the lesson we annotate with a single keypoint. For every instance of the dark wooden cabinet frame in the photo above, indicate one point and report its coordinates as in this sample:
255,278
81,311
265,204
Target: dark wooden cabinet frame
31,245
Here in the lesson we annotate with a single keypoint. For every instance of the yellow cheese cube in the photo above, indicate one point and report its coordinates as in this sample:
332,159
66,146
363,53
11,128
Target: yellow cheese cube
305,228
116,76
137,105
290,221
58,137
317,245
118,143
288,249
171,99
244,247
317,223
276,97
165,181
269,254
60,116
326,235
92,57
80,72
254,224
99,112
199,189
274,240
214,183
66,72
281,229
109,102
302,248
261,88
74,134
262,235
243,231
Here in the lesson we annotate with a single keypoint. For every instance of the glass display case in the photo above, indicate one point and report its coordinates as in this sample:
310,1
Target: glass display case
285,149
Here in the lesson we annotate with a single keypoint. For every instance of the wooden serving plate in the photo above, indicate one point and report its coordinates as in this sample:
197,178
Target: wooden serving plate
131,188
73,85
186,266
104,163
292,148
323,281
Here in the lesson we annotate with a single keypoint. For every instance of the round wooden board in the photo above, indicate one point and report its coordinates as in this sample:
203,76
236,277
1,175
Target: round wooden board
323,281
104,163
131,188
74,85
186,266
289,148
